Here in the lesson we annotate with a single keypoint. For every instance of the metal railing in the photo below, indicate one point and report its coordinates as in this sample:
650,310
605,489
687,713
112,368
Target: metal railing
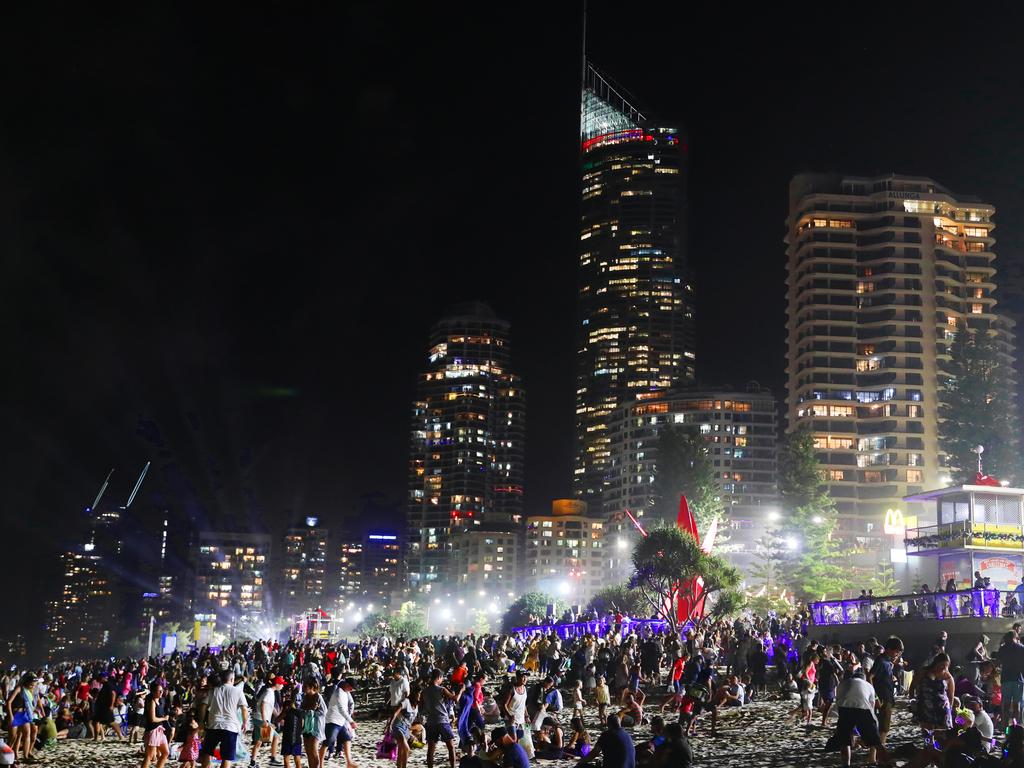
978,603
599,628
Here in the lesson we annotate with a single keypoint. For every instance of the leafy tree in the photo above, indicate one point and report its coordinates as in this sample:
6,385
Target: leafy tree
978,408
685,467
481,623
620,596
410,621
528,606
884,583
666,559
769,559
800,481
373,624
813,559
761,604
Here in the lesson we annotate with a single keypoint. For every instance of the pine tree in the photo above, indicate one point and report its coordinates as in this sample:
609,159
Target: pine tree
814,560
978,408
685,467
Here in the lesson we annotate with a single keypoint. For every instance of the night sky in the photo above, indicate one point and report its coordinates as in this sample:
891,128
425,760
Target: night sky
224,239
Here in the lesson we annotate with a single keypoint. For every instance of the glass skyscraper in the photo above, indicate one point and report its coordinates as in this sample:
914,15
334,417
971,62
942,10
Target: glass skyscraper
468,430
635,324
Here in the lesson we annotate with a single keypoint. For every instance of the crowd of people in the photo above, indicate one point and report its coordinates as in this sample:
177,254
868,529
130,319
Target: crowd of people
509,699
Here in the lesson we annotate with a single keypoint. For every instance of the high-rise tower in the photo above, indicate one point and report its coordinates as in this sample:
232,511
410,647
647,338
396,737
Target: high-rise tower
635,332
882,275
468,428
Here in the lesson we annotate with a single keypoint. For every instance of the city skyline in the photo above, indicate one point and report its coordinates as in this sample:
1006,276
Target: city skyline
183,303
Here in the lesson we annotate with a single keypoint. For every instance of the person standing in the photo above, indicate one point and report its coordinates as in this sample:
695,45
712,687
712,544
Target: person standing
1011,664
398,688
341,725
855,699
935,693
104,716
515,704
883,680
21,707
434,705
314,710
400,726
155,717
263,720
220,714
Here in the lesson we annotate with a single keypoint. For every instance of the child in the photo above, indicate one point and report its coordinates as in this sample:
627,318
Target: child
673,703
578,702
806,708
693,701
189,755
291,733
589,678
138,718
602,697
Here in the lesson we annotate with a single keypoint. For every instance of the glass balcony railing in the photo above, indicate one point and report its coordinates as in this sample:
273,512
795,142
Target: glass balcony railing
976,603
964,533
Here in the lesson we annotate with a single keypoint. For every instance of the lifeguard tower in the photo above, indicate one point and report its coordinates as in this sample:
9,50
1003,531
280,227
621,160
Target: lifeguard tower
979,529
314,625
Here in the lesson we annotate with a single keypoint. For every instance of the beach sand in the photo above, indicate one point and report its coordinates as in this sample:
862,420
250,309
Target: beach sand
754,736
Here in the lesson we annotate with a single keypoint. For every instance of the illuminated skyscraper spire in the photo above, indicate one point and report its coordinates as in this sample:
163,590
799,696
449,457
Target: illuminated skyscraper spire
603,109
635,331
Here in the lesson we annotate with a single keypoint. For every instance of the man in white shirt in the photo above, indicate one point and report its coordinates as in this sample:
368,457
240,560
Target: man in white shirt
220,713
340,725
264,706
982,721
855,698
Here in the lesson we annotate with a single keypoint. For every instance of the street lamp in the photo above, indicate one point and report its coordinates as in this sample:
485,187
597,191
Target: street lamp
773,516
792,542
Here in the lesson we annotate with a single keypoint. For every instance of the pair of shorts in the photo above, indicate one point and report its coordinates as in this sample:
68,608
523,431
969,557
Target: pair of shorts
1013,690
21,717
861,720
335,733
293,750
218,737
884,717
104,717
156,738
440,732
